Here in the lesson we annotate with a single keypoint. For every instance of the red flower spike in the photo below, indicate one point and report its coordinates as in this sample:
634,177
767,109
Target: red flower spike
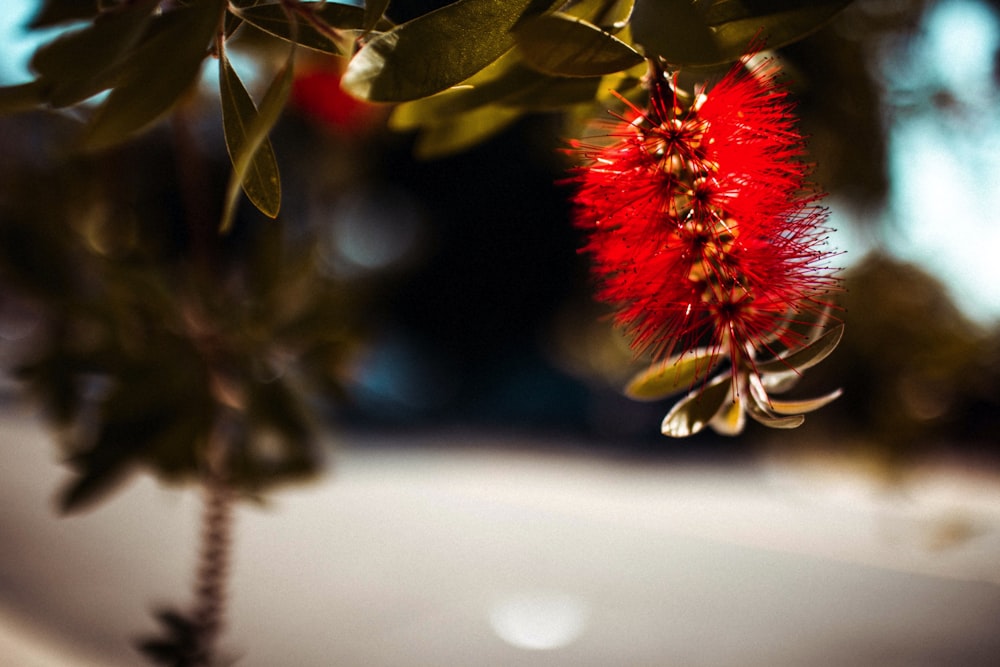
704,230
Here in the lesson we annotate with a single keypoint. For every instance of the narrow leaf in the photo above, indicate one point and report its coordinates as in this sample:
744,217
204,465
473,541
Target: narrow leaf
771,420
255,135
565,45
805,405
261,181
274,20
697,409
759,407
677,373
806,357
157,73
434,51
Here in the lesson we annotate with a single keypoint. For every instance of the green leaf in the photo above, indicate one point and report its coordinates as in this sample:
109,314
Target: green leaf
434,51
677,373
464,131
260,181
254,135
504,83
693,412
274,20
564,45
777,23
157,73
81,63
771,420
760,407
804,405
675,31
501,78
805,357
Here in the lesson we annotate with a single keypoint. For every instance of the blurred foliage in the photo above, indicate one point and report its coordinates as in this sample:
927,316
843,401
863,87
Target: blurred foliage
919,378
157,337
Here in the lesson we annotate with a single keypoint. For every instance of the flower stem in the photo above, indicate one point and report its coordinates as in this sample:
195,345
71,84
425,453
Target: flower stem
213,568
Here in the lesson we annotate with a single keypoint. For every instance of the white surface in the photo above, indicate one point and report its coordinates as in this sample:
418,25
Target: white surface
436,555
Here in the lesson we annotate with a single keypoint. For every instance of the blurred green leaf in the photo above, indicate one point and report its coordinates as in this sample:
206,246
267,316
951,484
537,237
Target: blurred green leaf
117,448
54,12
564,45
374,10
155,76
463,131
261,181
434,51
551,93
504,83
80,63
611,15
778,22
675,30
501,78
714,32
53,380
675,374
274,404
693,412
274,20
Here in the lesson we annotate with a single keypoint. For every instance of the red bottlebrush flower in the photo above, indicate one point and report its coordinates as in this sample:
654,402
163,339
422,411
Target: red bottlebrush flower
704,230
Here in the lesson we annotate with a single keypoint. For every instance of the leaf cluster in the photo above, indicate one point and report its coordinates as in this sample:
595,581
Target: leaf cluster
746,388
128,64
459,73
467,70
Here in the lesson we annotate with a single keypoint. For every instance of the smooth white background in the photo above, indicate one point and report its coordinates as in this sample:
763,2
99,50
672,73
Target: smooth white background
469,550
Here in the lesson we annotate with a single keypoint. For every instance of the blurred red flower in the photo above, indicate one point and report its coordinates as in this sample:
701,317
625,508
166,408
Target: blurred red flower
316,93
